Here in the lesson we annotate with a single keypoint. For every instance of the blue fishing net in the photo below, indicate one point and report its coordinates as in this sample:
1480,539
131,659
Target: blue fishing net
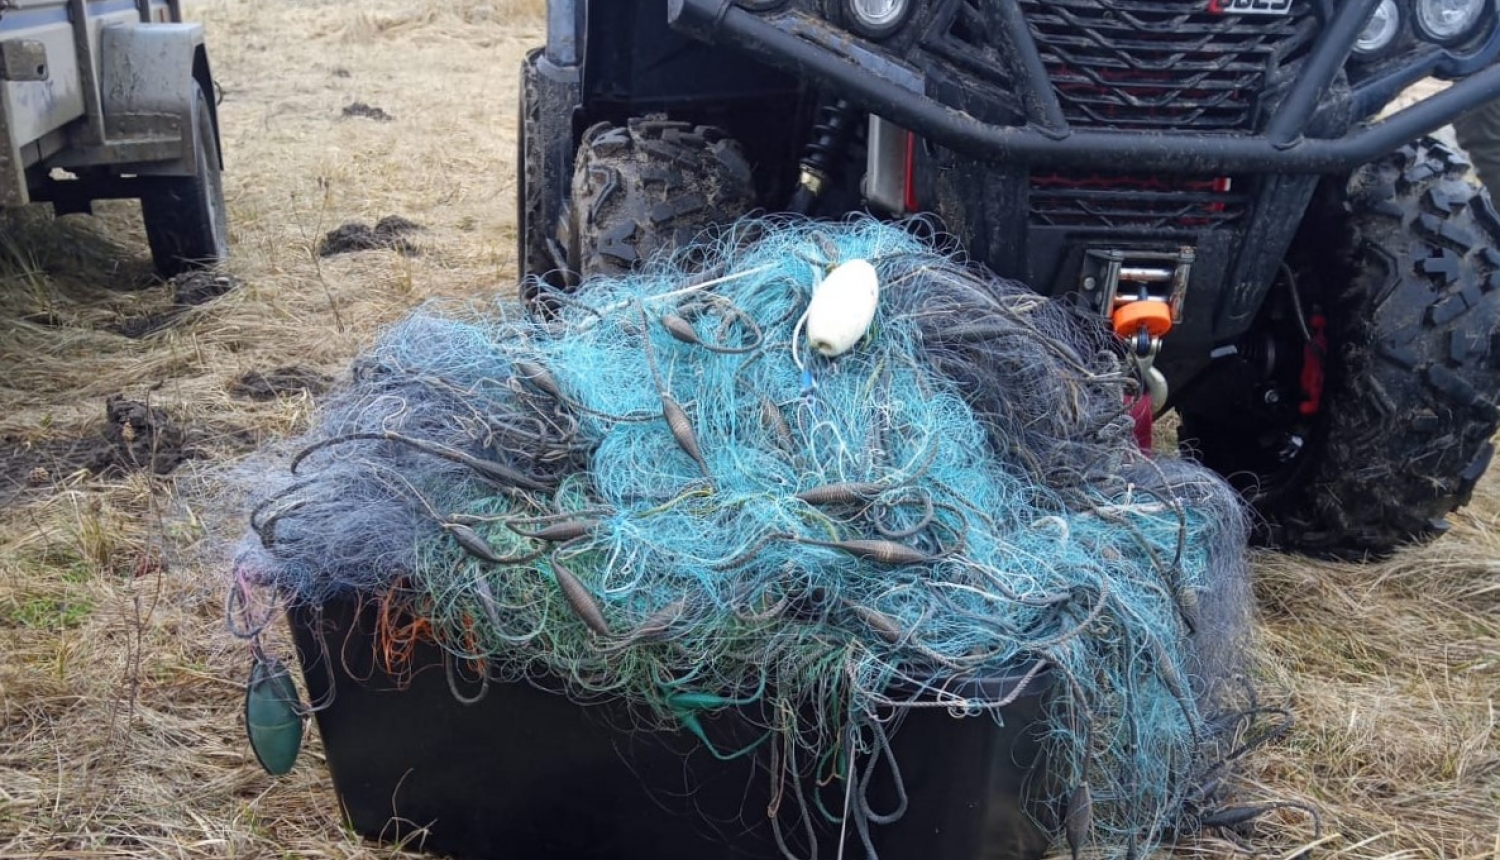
656,493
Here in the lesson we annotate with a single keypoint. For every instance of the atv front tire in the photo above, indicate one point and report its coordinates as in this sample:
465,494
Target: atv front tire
1412,369
650,185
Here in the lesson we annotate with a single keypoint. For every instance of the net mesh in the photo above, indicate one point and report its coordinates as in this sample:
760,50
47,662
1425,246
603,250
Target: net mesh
656,493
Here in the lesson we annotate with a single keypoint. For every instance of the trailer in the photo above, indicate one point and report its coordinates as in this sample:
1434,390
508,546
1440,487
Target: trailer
113,99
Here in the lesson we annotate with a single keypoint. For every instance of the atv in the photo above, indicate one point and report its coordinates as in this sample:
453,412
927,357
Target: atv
1311,291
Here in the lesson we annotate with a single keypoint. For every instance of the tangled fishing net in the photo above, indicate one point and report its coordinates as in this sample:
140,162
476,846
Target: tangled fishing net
658,494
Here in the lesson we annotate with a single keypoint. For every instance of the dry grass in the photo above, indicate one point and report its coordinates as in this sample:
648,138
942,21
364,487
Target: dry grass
118,684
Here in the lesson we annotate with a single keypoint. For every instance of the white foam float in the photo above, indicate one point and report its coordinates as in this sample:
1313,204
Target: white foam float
842,308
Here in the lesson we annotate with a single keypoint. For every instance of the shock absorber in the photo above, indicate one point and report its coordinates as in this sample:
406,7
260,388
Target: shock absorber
826,147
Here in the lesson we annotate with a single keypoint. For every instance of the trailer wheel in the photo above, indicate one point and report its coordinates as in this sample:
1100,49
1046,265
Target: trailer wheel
184,215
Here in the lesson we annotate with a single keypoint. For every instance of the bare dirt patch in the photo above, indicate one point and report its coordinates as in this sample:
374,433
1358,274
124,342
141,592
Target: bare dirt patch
279,382
187,289
134,437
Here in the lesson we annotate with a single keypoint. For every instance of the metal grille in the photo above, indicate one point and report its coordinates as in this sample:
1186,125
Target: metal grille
1135,202
1147,64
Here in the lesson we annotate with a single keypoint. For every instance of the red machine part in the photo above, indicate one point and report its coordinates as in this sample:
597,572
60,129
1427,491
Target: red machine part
1312,366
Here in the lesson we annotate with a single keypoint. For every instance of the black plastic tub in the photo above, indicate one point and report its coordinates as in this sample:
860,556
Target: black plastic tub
525,773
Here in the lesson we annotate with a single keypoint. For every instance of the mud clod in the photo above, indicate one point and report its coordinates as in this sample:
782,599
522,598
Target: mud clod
197,287
388,233
137,437
279,382
360,109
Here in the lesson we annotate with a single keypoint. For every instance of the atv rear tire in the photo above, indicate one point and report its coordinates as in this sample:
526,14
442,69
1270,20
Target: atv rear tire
651,185
1412,367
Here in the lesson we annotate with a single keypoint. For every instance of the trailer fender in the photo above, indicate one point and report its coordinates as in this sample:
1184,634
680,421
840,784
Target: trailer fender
150,75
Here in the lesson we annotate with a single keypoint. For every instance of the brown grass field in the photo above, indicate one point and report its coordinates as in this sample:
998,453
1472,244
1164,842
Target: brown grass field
120,689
